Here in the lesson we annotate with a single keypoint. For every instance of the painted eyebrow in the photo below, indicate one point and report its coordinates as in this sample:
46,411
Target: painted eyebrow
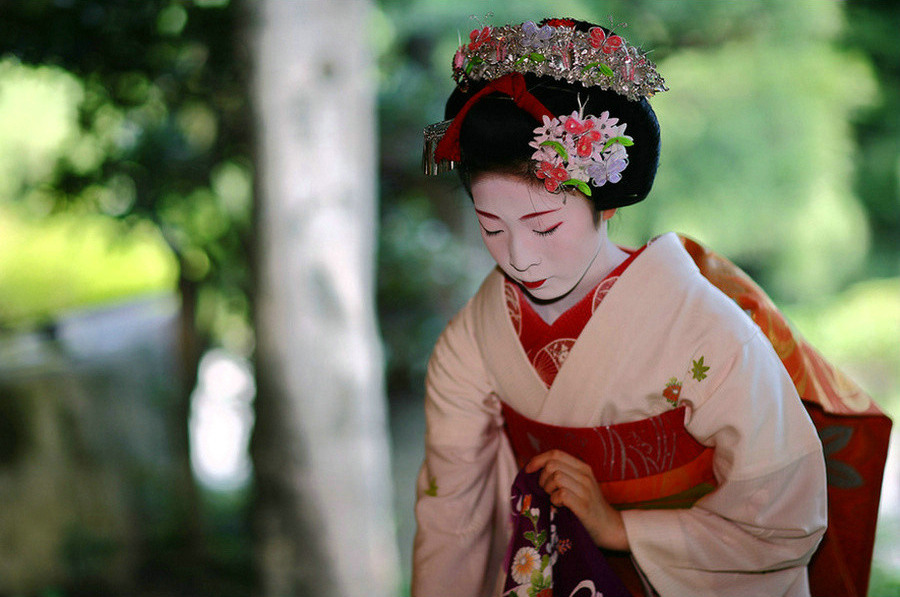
538,214
524,218
486,214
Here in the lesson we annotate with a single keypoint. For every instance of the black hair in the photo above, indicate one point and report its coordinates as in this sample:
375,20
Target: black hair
495,133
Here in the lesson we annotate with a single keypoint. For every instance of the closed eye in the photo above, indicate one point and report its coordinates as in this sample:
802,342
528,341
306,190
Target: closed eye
491,232
549,230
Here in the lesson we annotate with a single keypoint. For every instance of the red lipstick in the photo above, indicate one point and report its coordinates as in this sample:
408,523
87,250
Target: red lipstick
533,285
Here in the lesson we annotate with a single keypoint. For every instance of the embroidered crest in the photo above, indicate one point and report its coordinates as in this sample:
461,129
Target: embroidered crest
672,391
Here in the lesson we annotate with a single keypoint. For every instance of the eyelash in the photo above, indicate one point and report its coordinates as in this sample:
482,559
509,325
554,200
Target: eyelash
546,232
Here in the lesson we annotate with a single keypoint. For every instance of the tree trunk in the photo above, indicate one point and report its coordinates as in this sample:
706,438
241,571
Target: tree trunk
320,446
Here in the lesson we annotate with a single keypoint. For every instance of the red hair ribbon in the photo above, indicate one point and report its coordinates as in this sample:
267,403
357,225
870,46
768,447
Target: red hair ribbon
512,85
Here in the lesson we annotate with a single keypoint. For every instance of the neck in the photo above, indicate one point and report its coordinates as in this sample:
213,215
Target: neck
607,258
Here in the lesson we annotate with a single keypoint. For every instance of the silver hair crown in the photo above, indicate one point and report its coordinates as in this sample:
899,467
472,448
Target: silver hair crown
593,58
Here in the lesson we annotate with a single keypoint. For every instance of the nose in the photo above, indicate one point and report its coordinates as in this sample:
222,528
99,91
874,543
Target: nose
521,255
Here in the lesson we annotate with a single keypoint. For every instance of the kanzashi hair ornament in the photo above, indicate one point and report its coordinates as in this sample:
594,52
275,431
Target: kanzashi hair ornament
556,49
594,58
576,150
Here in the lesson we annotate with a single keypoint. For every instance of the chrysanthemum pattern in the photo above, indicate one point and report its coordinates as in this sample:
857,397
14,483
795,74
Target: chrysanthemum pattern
526,562
549,552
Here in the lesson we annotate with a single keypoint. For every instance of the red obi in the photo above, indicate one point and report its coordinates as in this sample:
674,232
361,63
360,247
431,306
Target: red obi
651,463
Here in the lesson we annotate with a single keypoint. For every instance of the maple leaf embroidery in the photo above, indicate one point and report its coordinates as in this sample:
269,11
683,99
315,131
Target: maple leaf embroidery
699,370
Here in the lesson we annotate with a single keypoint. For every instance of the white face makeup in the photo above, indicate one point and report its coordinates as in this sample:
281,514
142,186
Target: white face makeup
547,242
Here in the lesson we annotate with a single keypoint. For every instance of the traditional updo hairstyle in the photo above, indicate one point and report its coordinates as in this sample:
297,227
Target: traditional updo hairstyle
495,133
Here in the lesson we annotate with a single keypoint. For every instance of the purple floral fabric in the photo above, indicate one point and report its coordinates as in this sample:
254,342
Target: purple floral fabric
550,552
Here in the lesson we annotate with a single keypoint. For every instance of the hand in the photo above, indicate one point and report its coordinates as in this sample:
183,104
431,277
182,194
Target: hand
571,483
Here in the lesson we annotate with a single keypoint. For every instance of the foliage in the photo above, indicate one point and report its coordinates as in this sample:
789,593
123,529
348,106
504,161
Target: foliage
84,260
885,580
872,29
858,328
422,267
738,160
125,152
155,128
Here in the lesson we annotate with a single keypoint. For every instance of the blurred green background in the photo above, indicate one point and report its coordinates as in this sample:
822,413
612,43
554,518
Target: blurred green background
126,179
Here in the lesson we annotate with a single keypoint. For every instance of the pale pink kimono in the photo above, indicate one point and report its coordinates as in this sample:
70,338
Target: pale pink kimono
753,535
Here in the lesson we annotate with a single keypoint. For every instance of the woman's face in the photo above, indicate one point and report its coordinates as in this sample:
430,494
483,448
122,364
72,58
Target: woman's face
547,242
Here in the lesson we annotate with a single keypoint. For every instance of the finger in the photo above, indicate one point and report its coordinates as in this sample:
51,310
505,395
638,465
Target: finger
551,481
541,460
571,466
566,462
573,499
569,489
551,470
569,460
554,459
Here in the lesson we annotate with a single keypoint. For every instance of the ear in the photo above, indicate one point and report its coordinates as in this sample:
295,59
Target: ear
607,214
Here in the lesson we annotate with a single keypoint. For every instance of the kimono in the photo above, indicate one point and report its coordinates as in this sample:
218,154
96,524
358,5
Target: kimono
661,324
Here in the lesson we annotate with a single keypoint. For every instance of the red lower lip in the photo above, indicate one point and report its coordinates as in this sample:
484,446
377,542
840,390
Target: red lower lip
531,285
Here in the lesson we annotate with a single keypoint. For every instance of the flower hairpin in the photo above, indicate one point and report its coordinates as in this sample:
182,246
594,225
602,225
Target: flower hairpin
576,150
605,43
536,37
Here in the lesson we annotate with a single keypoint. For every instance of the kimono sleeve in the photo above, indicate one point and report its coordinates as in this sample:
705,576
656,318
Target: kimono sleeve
754,534
464,482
